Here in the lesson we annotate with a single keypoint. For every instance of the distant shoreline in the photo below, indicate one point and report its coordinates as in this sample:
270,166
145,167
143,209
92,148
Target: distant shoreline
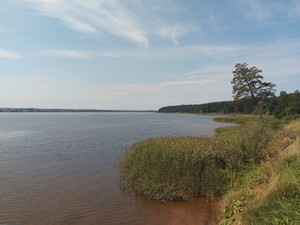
21,110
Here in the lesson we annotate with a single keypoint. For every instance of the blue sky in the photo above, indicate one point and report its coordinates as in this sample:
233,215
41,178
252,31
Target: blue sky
141,54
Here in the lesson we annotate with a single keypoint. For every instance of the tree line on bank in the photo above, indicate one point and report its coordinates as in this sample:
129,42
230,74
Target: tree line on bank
284,105
251,96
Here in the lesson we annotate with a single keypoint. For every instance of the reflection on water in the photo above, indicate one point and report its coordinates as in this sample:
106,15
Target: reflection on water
62,169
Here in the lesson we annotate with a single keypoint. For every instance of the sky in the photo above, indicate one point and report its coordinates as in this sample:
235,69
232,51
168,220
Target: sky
142,54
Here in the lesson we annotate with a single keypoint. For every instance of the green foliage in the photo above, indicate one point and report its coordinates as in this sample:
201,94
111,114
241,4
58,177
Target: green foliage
247,83
235,206
214,107
286,106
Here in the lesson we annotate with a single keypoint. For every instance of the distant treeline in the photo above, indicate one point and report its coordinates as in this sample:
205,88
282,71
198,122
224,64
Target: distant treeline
66,110
281,106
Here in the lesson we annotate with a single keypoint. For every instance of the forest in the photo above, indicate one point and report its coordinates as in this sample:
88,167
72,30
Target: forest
286,105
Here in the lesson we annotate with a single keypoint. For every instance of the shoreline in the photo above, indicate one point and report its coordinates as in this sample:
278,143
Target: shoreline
258,156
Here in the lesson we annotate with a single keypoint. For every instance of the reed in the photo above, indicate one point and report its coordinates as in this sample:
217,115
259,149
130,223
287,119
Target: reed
176,168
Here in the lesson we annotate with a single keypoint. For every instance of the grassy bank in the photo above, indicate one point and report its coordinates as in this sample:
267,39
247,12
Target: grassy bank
270,192
249,166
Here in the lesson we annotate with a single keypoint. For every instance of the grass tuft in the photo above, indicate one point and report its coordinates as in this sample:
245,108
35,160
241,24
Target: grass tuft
176,168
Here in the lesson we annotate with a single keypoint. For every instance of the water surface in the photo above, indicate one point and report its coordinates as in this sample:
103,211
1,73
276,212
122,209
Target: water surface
61,168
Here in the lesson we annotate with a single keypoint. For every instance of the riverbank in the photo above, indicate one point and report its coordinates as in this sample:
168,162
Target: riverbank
269,192
173,169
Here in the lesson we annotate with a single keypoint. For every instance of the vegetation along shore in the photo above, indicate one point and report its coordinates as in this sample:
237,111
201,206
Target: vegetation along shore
252,169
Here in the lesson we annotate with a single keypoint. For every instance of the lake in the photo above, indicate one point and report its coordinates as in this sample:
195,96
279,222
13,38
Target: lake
62,168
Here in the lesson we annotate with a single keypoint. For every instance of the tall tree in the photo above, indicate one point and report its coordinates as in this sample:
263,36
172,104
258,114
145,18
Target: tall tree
248,83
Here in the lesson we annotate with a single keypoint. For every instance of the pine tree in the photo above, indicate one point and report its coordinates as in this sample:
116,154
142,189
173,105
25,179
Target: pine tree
248,83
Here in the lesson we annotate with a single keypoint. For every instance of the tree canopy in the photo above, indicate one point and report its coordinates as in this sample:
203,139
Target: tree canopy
248,83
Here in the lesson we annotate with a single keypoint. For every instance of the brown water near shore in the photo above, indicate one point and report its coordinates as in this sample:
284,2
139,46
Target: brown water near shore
196,212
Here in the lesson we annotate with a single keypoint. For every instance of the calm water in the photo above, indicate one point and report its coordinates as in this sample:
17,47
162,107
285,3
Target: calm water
61,168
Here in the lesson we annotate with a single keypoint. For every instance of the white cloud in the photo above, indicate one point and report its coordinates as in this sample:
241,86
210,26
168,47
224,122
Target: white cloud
9,54
80,26
67,53
136,21
94,16
176,52
173,32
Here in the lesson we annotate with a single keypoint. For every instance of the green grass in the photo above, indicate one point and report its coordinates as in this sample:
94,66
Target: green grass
274,186
181,168
176,168
241,119
228,132
245,119
254,168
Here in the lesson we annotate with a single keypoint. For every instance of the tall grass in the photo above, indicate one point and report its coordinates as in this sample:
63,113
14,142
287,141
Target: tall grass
270,192
180,168
176,168
279,202
251,142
